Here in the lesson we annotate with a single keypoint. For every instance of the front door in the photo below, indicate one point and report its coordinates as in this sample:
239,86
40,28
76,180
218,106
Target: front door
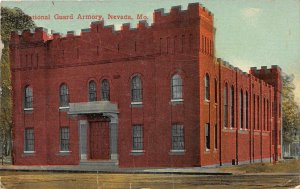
99,140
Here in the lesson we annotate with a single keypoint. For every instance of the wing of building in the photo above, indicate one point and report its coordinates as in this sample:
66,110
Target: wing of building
153,96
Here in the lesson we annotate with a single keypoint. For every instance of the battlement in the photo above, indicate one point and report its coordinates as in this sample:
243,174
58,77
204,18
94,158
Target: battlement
272,75
264,70
194,11
33,35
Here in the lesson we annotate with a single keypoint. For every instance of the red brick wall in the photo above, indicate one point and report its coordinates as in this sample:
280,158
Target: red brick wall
156,53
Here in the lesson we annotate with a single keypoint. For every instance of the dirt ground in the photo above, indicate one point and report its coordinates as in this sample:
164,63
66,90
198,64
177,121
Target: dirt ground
32,180
285,174
286,166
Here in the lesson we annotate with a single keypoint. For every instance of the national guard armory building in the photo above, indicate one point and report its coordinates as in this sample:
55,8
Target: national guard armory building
151,96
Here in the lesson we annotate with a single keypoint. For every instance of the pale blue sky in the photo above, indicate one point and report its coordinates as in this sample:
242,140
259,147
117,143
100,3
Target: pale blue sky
249,33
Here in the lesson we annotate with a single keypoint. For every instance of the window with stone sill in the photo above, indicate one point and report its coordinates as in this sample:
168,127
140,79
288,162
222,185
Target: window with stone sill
207,136
136,89
64,96
29,140
177,137
137,138
64,139
28,98
176,88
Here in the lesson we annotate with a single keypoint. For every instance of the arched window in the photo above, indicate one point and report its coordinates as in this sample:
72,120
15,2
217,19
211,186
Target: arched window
226,105
241,110
176,84
64,95
28,98
136,89
232,107
105,90
207,91
92,91
247,110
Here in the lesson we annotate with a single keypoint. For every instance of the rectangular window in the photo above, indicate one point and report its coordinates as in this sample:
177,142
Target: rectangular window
137,137
216,136
207,136
29,140
64,139
177,137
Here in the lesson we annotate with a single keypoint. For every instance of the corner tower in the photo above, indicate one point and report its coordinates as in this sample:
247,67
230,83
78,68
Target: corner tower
273,77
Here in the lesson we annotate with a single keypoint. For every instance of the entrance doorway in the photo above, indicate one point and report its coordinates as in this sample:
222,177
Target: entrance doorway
99,140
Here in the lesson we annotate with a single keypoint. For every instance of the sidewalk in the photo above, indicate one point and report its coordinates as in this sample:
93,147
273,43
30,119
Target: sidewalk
99,169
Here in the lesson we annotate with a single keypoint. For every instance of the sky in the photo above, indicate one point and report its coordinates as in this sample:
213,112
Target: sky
248,33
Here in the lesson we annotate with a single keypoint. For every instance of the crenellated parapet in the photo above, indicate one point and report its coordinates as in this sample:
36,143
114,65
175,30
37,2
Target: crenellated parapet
194,11
270,75
264,70
38,34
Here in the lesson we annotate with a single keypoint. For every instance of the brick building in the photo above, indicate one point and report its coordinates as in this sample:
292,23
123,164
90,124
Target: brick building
145,97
